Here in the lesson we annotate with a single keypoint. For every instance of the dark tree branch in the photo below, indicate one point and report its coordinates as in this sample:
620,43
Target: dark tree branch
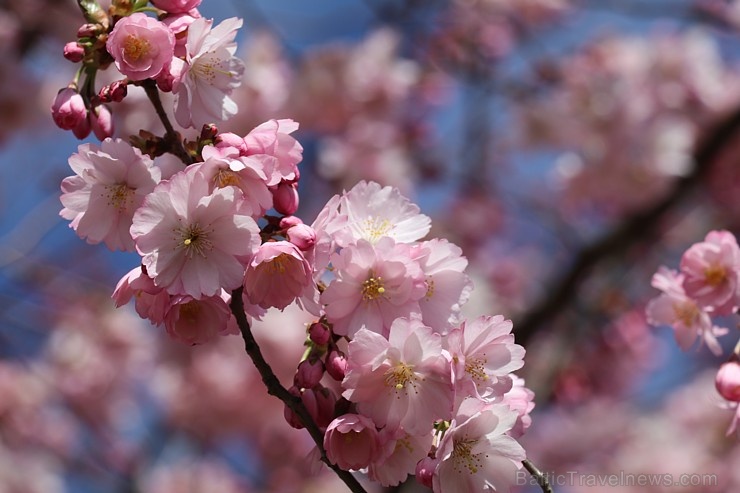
629,232
171,137
538,475
275,388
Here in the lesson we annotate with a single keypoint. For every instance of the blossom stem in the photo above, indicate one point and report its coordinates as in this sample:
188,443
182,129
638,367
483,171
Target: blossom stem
538,475
172,138
275,388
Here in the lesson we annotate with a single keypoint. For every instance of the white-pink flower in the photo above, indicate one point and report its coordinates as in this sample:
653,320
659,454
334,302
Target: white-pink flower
150,301
277,275
476,454
273,138
675,308
374,285
197,321
193,242
400,454
448,287
403,381
483,355
203,84
351,442
710,271
110,183
141,46
224,167
521,400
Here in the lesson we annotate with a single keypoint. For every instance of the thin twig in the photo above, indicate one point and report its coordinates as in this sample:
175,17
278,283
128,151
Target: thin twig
172,138
275,388
632,230
538,475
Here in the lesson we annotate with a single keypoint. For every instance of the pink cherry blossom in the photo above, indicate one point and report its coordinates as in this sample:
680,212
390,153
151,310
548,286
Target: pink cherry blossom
483,355
448,287
475,453
110,183
197,321
375,285
711,272
141,46
193,242
401,454
351,442
224,167
302,235
210,73
403,381
277,275
521,400
675,308
150,301
273,138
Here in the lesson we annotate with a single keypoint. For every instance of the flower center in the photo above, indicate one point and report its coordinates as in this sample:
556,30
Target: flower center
207,69
226,177
278,264
135,48
119,196
686,312
189,311
194,240
463,457
476,369
372,288
400,375
430,288
715,275
376,227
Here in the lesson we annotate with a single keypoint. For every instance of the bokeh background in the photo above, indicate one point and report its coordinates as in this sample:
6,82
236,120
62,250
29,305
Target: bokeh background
570,147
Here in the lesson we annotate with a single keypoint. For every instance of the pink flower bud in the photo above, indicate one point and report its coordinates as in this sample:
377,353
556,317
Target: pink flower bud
176,6
229,140
319,403
74,52
728,381
336,365
165,80
114,93
101,122
425,471
309,374
89,30
303,236
82,129
285,198
291,417
289,221
319,334
68,109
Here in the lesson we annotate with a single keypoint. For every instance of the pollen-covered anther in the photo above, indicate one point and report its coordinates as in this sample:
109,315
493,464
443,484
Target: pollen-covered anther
715,275
226,177
134,48
686,312
372,288
119,196
194,240
375,228
475,367
400,375
464,458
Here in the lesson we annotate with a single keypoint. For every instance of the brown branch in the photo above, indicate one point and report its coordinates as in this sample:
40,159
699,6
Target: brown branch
538,475
631,231
171,137
275,388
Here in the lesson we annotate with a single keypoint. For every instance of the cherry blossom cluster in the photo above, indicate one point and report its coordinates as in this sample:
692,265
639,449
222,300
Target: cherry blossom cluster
422,390
706,286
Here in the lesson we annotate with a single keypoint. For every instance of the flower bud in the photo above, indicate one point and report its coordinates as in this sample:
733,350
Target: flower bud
68,109
228,139
728,381
101,122
89,30
425,471
336,364
74,52
285,198
114,92
308,374
289,221
319,403
291,417
82,129
303,236
319,334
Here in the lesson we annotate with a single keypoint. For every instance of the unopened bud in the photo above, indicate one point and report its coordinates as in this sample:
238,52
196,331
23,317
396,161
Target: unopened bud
728,381
208,132
425,471
308,374
289,221
101,122
336,365
68,109
303,236
285,198
114,92
319,334
89,30
82,129
74,52
228,139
